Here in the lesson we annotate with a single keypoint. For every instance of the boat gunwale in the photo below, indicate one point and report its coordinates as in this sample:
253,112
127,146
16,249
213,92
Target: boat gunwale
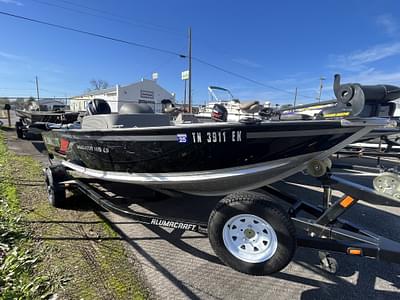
341,123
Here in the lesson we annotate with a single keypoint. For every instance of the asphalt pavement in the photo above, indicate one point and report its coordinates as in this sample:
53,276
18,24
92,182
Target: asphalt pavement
182,265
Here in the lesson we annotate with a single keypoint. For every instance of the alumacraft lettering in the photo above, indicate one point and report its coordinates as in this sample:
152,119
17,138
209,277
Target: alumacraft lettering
172,224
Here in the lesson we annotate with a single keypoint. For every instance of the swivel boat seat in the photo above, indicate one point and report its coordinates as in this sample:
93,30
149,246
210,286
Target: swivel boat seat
131,115
135,108
250,107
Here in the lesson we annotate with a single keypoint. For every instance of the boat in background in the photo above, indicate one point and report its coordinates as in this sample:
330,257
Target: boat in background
32,117
34,120
235,110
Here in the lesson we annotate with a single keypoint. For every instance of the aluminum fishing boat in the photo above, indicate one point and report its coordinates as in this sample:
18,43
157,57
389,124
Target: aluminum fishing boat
140,147
32,117
34,120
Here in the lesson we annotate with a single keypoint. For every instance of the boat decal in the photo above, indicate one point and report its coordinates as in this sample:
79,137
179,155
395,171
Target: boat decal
217,137
173,224
338,114
182,138
263,134
64,144
92,148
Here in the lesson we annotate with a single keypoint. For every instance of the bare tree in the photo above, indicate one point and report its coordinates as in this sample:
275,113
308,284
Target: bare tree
98,84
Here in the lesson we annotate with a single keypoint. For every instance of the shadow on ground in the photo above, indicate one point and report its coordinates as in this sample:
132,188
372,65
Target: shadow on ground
355,274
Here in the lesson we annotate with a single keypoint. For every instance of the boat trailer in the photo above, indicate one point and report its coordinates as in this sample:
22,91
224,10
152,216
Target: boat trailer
247,229
387,179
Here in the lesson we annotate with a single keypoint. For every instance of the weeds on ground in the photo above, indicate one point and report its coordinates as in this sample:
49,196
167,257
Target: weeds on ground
17,262
32,267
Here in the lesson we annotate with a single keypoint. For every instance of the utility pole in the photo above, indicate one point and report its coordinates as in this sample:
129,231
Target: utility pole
321,80
295,99
184,97
190,70
37,88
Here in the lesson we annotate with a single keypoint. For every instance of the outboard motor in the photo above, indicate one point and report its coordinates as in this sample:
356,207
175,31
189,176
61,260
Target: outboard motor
98,107
219,113
354,99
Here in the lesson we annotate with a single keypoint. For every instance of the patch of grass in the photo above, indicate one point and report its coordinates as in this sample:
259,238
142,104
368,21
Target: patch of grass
89,253
17,262
47,251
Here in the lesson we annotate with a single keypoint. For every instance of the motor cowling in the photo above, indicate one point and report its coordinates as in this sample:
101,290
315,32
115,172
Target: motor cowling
354,99
219,113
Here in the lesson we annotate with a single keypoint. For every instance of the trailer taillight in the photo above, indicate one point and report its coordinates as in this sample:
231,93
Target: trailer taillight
354,251
346,202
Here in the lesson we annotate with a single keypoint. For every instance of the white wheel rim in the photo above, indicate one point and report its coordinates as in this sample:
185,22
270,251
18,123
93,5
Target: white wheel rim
250,238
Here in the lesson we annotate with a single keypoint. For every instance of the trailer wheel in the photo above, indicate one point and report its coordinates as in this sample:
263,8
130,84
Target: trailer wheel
387,183
251,234
18,128
55,190
318,168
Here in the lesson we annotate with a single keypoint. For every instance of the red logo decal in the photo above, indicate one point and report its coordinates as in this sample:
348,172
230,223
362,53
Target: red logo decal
63,146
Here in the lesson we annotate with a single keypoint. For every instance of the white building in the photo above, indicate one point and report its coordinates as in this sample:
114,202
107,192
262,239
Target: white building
52,104
144,91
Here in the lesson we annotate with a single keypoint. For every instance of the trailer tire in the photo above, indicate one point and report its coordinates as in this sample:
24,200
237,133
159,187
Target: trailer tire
18,128
56,193
252,234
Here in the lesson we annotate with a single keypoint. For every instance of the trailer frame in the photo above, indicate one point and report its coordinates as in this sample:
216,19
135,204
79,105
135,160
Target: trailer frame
324,230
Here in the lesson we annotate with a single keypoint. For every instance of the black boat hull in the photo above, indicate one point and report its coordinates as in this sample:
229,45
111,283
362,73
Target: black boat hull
57,117
206,159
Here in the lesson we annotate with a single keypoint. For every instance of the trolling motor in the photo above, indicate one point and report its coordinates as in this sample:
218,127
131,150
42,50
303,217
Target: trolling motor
354,99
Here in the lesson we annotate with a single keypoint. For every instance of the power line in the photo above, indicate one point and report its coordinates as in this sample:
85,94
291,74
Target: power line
33,89
17,89
164,28
53,91
94,34
106,15
150,48
246,78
